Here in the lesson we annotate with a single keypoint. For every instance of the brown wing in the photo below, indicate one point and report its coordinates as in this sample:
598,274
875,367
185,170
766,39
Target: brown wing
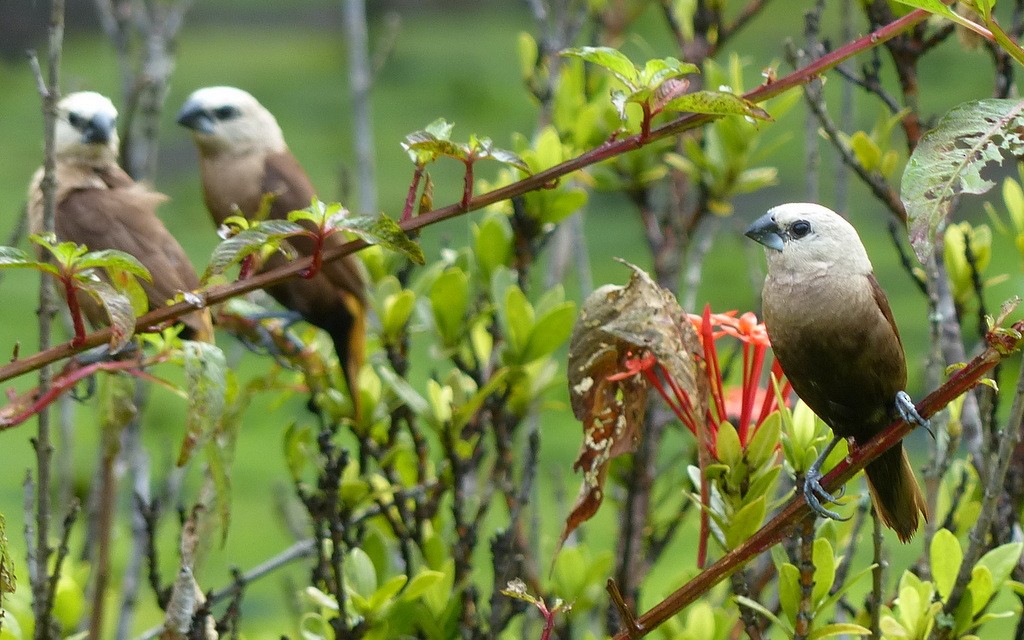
125,219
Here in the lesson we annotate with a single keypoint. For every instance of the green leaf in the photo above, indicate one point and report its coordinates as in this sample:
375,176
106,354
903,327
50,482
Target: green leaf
449,300
519,321
824,559
118,309
940,9
397,309
716,103
247,242
113,259
946,556
387,592
729,450
549,332
761,448
838,629
205,383
14,257
745,522
509,158
611,59
981,586
360,574
789,590
949,161
432,143
760,608
466,412
492,240
382,230
299,449
421,583
1001,561
405,392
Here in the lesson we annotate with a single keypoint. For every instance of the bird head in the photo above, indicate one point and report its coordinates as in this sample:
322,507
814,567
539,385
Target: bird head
801,236
226,119
86,128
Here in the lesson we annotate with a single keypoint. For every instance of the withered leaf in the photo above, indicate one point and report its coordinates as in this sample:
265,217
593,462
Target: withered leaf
615,324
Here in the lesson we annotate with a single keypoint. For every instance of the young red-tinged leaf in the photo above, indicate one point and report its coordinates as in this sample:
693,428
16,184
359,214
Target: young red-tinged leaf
716,103
617,324
382,230
949,161
205,381
118,308
510,158
432,143
611,59
249,241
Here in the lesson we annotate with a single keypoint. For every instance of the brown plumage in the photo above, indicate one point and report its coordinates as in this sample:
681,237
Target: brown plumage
100,206
833,333
243,157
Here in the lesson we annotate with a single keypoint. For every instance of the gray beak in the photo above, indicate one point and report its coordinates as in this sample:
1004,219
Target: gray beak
766,231
195,117
99,129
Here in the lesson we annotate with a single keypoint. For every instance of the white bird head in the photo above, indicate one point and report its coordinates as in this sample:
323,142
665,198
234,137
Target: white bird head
227,119
86,128
805,237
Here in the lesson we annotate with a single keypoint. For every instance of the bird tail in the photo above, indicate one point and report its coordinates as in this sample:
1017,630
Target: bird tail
198,326
350,345
895,492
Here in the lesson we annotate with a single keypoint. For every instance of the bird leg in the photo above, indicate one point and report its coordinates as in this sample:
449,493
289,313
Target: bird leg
265,345
814,493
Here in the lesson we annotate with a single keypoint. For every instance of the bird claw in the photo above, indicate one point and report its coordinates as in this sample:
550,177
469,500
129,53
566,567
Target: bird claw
907,410
814,493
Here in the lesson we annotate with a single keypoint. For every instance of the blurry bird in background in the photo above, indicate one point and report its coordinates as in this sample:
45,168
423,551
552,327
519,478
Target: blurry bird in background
834,335
100,206
243,158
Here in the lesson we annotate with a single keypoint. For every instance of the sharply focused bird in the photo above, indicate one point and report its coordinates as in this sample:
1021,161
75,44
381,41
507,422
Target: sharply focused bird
834,335
242,158
100,206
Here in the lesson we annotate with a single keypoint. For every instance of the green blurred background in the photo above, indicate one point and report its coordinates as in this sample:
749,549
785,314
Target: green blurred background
455,60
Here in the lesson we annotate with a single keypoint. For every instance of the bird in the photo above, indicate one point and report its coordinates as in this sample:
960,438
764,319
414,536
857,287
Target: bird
833,333
100,206
243,158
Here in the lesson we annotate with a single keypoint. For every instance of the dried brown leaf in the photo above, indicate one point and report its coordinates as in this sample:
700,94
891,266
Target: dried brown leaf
615,324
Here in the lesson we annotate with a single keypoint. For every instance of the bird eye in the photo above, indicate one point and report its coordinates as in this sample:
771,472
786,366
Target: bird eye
225,113
800,228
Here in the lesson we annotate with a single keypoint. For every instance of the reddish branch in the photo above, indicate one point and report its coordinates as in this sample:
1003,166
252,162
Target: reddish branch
610,149
780,526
